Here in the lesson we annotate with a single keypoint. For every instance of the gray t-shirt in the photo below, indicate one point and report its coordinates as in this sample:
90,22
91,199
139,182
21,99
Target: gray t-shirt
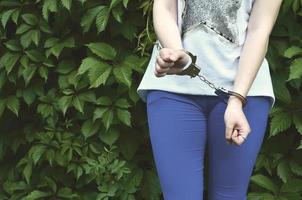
215,32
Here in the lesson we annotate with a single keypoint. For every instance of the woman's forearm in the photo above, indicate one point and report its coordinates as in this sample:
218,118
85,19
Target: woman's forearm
262,19
253,53
165,23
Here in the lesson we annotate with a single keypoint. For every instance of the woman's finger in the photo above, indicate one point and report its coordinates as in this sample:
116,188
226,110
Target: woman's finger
174,70
159,69
235,137
159,74
162,63
176,55
228,133
165,53
239,136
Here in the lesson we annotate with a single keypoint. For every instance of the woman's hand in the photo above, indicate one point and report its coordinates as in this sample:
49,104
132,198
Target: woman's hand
170,61
235,122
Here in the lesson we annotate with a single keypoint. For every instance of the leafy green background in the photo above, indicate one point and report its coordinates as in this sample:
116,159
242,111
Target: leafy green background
72,125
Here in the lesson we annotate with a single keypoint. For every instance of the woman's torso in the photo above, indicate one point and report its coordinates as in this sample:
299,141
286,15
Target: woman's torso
215,31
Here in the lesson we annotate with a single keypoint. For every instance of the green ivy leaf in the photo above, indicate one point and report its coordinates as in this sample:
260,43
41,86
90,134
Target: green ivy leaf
24,61
89,128
109,137
66,192
264,182
43,72
65,66
64,102
125,3
98,75
283,171
104,101
50,156
30,19
89,17
134,62
36,34
35,55
79,172
88,63
128,30
78,103
51,183
297,119
12,103
113,3
300,146
15,15
22,29
103,50
67,4
29,95
134,182
5,16
107,118
295,167
13,45
102,196
28,73
36,153
123,74
102,19
295,69
280,88
9,60
122,103
45,110
124,116
27,38
260,196
57,48
117,14
292,51
37,194
280,122
98,113
296,6
27,171
50,42
293,185
129,145
88,96
48,5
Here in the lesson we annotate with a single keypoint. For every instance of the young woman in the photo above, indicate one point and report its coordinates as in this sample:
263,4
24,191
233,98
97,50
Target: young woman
187,120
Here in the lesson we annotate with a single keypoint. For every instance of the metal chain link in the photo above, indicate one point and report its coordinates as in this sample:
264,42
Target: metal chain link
202,78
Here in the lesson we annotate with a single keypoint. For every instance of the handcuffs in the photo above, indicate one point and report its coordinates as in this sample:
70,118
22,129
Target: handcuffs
192,70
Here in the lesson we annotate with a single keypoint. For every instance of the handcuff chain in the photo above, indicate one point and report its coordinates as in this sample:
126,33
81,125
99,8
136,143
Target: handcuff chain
193,70
202,78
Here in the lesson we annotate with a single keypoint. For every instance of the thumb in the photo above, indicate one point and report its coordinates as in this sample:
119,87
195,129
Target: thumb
228,133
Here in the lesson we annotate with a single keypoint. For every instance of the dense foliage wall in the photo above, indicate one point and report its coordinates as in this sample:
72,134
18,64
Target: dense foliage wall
278,171
72,125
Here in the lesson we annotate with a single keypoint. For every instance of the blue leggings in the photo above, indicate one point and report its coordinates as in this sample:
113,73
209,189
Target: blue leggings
183,126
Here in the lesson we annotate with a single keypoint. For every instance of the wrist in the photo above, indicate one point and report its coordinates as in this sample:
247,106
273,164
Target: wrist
233,100
237,99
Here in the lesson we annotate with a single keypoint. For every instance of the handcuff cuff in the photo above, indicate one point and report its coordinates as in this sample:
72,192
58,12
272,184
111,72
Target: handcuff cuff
192,70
